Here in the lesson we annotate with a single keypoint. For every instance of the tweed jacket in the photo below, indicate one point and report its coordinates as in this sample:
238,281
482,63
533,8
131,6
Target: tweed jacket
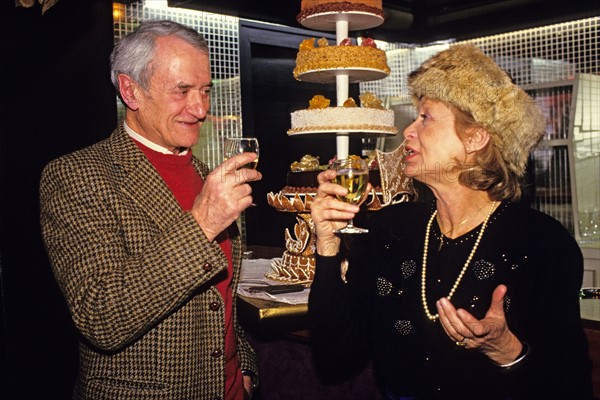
138,275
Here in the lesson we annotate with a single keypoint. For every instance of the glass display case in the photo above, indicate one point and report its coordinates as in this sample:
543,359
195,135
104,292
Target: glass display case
567,160
566,163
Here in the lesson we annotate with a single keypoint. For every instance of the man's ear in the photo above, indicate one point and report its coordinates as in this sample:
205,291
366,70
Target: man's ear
129,91
478,139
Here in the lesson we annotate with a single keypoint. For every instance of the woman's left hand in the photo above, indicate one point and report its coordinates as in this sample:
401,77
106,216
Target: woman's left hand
489,335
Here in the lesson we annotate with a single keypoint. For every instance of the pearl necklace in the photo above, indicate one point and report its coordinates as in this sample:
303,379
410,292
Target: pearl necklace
433,317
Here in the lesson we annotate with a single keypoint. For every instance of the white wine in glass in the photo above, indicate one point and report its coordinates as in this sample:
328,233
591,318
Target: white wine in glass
235,146
353,174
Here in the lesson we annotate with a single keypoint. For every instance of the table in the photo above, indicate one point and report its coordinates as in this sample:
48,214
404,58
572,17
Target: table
284,314
590,318
279,333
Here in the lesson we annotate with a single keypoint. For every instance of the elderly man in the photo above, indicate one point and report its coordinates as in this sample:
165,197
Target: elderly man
142,238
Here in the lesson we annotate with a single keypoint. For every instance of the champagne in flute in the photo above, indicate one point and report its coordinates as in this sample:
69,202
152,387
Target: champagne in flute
251,165
353,174
235,146
356,183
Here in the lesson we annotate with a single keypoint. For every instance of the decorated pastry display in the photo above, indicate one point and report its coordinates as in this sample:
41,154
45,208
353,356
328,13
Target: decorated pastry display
323,14
309,8
318,63
298,262
321,62
371,116
390,185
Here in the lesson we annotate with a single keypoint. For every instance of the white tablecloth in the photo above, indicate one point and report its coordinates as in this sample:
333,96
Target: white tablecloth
253,274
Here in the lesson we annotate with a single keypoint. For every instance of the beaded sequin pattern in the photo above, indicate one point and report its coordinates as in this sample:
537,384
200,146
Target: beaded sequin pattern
506,303
403,327
474,301
408,268
384,287
483,269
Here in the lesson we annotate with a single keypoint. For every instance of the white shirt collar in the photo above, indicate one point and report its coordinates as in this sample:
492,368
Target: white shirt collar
148,143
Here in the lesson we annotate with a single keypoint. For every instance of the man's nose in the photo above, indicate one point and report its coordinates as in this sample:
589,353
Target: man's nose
198,104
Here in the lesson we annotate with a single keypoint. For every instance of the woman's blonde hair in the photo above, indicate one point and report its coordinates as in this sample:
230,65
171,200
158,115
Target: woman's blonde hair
489,172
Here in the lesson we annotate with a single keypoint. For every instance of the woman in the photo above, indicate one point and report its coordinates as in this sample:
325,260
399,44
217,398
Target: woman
468,296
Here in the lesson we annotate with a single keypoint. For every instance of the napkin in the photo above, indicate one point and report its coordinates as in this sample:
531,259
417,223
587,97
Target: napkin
253,274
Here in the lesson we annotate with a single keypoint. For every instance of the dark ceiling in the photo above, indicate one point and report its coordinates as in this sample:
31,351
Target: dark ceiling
421,21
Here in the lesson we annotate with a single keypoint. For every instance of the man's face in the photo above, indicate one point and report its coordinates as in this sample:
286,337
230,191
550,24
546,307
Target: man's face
170,113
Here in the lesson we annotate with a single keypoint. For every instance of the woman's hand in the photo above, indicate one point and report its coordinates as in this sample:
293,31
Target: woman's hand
329,214
489,335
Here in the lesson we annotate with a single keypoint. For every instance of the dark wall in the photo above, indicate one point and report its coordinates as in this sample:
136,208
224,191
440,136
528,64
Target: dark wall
269,94
59,99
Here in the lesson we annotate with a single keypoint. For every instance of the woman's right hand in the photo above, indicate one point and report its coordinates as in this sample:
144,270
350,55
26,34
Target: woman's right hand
329,214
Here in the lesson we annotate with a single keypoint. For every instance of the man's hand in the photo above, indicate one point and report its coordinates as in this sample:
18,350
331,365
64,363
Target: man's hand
225,194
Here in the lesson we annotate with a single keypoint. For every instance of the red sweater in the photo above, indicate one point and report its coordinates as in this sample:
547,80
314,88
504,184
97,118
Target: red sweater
180,176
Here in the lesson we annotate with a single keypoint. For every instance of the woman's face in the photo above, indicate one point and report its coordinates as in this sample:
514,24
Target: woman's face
432,145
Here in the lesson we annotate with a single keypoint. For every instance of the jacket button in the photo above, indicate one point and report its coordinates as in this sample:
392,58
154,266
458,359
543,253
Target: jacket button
214,306
207,267
216,353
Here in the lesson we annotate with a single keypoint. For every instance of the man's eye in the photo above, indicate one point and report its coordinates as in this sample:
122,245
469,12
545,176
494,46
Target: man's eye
180,93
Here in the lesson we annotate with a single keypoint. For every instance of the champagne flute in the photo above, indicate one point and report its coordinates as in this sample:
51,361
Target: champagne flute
353,174
235,146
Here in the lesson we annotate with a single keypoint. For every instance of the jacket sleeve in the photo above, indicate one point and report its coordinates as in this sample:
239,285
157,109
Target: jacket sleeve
246,353
558,365
339,314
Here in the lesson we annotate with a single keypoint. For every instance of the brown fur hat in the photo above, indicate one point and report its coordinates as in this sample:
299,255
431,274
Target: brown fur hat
468,79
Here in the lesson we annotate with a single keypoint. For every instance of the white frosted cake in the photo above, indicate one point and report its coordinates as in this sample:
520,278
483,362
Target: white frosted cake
342,119
319,117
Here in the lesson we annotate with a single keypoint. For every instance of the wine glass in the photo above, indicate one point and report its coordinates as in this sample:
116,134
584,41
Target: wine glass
235,146
353,174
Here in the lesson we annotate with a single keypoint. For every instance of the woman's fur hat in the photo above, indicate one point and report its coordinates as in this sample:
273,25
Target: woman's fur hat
468,79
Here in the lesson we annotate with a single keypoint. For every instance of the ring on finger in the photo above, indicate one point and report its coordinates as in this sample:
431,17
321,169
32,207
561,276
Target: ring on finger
462,343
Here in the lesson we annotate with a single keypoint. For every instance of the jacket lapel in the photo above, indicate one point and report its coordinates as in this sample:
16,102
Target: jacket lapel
146,188
142,182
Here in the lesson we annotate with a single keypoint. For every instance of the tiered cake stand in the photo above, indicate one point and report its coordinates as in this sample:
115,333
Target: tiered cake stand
341,23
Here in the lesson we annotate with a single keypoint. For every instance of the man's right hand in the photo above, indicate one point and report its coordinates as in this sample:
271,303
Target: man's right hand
225,194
